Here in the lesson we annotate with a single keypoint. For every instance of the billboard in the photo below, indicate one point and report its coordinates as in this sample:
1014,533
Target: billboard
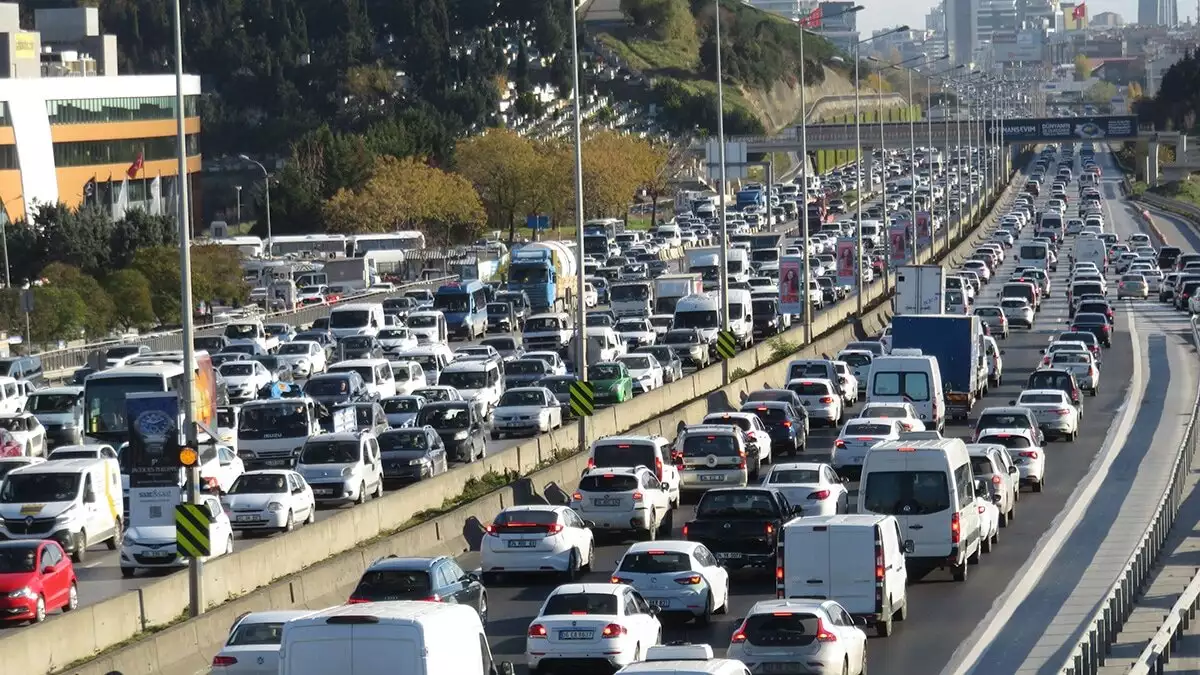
149,506
898,244
204,394
924,229
792,279
152,458
847,266
1051,129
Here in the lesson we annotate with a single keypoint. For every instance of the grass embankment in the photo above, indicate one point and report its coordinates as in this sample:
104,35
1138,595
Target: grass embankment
1183,190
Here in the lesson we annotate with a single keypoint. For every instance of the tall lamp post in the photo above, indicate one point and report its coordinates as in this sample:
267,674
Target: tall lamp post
858,149
723,252
238,189
804,233
267,183
581,310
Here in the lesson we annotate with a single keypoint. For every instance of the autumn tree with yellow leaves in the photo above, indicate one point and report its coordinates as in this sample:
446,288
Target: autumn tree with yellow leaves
409,194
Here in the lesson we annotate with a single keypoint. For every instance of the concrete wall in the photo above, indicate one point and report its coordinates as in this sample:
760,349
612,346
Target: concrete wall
333,552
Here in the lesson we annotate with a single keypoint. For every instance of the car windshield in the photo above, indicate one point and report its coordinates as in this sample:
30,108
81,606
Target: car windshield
277,420
404,404
752,503
40,488
393,334
522,397
18,558
256,634
237,369
292,348
526,367
605,371
328,386
52,403
604,604
908,493
464,379
330,452
655,562
445,417
678,337
632,326
259,484
403,440
636,362
790,476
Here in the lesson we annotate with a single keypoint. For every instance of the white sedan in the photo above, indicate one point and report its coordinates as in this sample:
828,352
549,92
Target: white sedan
244,379
636,332
591,622
646,371
836,644
26,430
252,647
680,577
813,486
1025,453
270,500
305,357
856,439
153,546
526,410
536,538
987,501
905,413
1054,412
847,383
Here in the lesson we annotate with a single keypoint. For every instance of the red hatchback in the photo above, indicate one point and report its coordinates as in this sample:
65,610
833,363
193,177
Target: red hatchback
36,578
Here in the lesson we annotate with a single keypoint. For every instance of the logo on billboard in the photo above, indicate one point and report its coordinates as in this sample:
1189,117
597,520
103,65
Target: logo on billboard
792,279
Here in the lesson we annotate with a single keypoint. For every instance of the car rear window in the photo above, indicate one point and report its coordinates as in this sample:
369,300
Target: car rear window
808,370
524,521
864,429
655,562
608,482
747,503
700,445
623,454
789,476
981,466
251,634
855,360
767,414
1010,441
739,422
1040,398
381,585
914,386
1045,380
781,629
1001,421
809,388
884,411
910,493
582,603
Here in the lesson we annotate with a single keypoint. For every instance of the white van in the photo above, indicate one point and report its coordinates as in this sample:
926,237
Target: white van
12,395
433,359
741,319
1094,250
356,318
410,637
856,560
478,380
1034,254
926,485
377,373
76,502
914,379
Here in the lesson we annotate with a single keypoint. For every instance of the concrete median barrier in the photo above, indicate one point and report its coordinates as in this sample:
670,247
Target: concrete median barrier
284,571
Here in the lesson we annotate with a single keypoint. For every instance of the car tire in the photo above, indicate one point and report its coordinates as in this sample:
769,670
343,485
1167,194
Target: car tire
362,494
128,572
573,566
959,572
80,552
114,542
705,617
72,598
39,612
985,546
290,523
312,515
1037,487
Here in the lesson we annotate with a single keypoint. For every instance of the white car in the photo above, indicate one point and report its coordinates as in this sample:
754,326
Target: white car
26,430
589,623
857,437
305,358
590,297
1082,365
1055,414
679,577
396,339
837,645
252,647
986,503
905,413
536,538
153,546
821,398
270,500
526,410
1017,311
813,486
244,379
623,499
1139,239
859,361
552,359
636,332
646,371
1025,453
847,382
756,433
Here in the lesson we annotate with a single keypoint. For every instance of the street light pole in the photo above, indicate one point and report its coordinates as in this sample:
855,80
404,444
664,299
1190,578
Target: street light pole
267,183
238,188
724,250
581,366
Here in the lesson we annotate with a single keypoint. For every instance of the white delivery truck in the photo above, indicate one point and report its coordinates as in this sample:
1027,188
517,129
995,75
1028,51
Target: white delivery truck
669,288
271,432
920,289
631,298
706,262
1092,249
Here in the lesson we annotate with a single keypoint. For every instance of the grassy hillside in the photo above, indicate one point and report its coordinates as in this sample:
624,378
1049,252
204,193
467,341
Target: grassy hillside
672,43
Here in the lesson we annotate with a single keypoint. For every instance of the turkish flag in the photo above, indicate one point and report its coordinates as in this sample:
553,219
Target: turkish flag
1080,11
813,20
136,167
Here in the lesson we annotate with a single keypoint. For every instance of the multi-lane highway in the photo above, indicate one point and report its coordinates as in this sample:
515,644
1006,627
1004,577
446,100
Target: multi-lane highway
1009,597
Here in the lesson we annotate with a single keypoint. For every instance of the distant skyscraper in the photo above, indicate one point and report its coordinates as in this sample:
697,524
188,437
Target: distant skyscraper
1158,12
962,29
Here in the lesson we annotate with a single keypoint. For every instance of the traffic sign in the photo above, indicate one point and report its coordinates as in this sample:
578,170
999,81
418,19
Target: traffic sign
27,301
726,345
192,523
583,398
537,222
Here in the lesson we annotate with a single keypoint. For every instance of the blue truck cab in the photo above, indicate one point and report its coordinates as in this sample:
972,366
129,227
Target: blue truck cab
464,304
751,197
533,271
956,341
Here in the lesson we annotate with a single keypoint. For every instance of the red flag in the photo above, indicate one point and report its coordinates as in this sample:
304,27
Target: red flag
136,167
813,20
1080,11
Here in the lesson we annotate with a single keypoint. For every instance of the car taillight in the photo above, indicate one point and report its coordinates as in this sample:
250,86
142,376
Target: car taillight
824,635
554,529
658,468
819,495
1062,411
982,509
739,635
537,630
613,630
1031,454
222,661
955,529
637,496
787,424
692,580
619,580
685,531
357,601
995,479
433,598
578,497
491,531
839,443
591,463
826,399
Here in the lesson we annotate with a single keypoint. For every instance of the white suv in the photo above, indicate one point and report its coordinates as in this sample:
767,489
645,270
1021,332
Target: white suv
342,467
623,499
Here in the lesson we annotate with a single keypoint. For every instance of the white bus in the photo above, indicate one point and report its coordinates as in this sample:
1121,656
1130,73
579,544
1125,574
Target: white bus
104,393
308,245
249,247
389,241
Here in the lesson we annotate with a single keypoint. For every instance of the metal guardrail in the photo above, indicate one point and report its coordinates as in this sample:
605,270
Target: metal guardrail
1091,651
76,357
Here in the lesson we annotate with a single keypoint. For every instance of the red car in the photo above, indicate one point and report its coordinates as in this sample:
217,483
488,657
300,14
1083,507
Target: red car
36,578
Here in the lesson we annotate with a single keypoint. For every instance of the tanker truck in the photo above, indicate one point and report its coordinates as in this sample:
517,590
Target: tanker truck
546,271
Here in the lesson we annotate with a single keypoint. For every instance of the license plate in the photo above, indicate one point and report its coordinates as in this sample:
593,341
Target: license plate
783,668
323,492
727,555
158,554
245,519
575,634
659,603
278,462
1022,460
512,424
712,478
606,502
522,543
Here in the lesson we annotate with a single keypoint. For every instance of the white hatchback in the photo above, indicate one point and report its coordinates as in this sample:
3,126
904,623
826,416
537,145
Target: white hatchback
585,623
819,634
537,538
1025,453
821,398
677,577
623,499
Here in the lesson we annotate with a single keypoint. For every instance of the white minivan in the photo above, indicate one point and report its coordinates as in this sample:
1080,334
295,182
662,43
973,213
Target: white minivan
377,373
356,318
927,485
405,636
76,502
914,379
854,559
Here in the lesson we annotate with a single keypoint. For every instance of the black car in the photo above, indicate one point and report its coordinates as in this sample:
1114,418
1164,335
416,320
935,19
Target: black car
460,426
1096,307
520,304
1055,378
359,347
213,344
560,385
1095,323
787,425
412,454
501,317
332,389
437,579
525,372
509,347
767,320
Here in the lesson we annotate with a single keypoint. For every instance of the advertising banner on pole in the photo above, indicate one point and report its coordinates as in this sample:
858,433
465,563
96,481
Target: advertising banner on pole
898,244
154,439
924,229
153,505
847,265
792,284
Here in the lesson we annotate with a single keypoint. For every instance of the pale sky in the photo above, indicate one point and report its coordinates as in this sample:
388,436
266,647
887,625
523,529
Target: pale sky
886,13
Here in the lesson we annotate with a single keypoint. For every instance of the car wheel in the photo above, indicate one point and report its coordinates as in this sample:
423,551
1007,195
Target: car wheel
312,515
986,545
80,552
115,541
959,572
705,617
290,524
1037,487
573,565
362,494
39,612
72,598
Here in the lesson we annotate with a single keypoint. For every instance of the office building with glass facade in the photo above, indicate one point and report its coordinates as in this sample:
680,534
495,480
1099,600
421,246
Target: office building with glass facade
59,133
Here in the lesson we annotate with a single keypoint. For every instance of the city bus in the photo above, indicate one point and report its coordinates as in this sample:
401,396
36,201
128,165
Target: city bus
104,393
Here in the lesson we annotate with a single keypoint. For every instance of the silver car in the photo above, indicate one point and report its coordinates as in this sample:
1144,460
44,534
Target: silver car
1018,311
995,319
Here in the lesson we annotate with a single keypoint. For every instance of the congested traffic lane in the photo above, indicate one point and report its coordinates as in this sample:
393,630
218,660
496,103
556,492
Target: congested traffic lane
943,612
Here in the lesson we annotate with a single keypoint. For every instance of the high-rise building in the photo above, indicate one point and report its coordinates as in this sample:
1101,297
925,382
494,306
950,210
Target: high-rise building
996,16
1158,13
962,29
839,25
935,20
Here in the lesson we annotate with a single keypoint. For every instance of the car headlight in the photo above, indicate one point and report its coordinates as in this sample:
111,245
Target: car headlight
127,540
274,507
347,471
65,516
418,461
460,435
26,593
69,426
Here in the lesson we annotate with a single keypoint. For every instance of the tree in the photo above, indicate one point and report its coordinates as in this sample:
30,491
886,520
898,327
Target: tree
1134,91
97,320
137,230
159,265
58,314
217,274
614,167
1083,68
665,161
499,163
130,293
878,83
78,237
1101,93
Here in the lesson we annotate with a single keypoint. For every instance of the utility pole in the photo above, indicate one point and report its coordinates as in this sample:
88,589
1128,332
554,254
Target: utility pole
581,368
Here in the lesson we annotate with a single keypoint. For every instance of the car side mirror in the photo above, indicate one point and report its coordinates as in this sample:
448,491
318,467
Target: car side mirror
1012,469
1001,352
844,479
997,498
909,547
1013,402
797,510
89,497
654,610
589,523
862,621
48,569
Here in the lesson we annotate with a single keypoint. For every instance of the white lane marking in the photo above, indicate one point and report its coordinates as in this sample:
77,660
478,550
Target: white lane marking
1026,578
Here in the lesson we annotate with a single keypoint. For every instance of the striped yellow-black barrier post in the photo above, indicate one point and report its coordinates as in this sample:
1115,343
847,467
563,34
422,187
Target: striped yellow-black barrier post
726,345
192,525
583,398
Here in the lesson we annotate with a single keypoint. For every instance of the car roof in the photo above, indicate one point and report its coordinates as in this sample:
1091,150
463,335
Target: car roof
405,563
673,546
